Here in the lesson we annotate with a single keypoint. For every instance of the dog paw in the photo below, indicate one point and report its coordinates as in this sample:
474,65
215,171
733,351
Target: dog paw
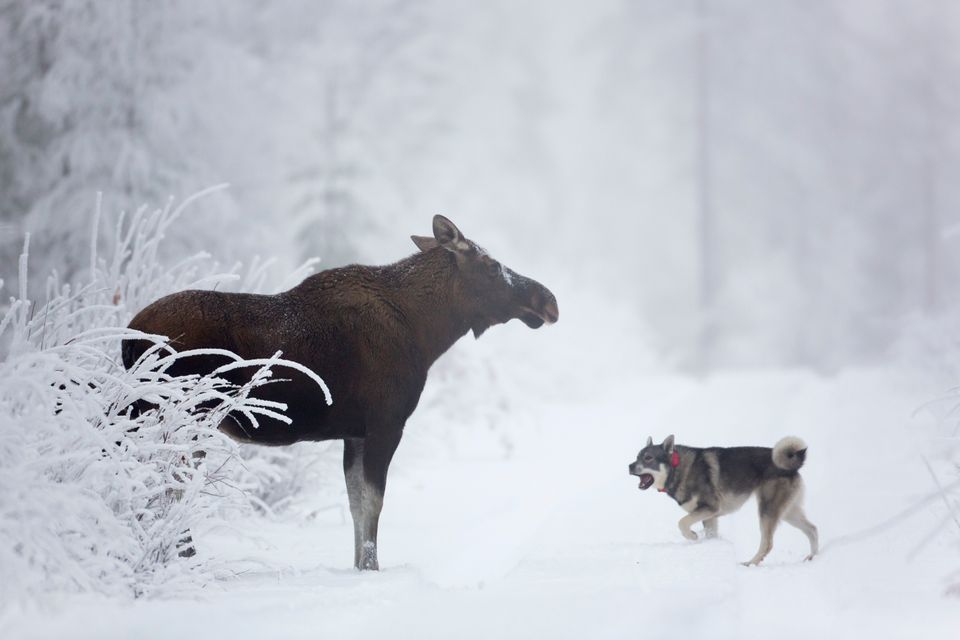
688,534
809,557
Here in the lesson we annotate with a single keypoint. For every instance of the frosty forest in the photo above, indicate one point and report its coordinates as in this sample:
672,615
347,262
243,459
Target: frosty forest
748,212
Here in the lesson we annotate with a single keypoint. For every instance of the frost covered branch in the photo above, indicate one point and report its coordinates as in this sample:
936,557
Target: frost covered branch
97,497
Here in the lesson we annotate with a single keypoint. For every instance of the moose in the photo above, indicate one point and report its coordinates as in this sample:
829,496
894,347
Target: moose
372,333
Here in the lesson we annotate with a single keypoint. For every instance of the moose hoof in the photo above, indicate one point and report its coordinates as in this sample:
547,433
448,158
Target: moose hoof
185,548
368,558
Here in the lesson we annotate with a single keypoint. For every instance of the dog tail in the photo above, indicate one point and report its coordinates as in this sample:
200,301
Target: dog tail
790,453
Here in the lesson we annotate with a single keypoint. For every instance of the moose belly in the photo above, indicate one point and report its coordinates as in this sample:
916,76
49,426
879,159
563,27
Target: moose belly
310,417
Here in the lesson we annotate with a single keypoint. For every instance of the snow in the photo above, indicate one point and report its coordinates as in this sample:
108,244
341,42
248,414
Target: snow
549,536
561,137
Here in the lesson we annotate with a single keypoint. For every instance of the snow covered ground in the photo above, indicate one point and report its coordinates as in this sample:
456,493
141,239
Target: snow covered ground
515,518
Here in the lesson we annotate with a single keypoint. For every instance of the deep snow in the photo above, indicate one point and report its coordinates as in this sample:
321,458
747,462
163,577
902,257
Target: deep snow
522,522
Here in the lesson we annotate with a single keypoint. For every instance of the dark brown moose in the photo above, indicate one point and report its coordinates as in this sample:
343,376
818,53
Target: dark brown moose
372,333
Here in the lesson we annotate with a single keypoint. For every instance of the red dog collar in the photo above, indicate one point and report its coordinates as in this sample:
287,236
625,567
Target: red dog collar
674,463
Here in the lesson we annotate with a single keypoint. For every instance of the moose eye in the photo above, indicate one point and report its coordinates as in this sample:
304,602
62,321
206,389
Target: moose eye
493,269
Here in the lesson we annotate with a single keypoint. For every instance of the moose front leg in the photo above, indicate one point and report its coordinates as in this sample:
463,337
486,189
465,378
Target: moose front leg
353,474
372,504
365,464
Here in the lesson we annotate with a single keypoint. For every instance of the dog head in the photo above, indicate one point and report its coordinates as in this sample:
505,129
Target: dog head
652,465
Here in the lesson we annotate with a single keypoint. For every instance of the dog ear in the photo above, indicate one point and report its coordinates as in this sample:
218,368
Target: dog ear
649,441
668,444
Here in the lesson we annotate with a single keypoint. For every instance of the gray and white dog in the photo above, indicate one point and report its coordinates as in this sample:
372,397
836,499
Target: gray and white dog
712,482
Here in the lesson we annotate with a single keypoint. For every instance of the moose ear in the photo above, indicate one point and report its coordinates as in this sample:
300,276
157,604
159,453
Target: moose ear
424,243
447,234
668,444
649,441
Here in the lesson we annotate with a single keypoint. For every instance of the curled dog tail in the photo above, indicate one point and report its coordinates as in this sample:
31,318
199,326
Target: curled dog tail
790,453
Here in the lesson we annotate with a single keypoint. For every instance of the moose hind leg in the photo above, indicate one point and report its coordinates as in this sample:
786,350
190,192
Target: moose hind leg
353,474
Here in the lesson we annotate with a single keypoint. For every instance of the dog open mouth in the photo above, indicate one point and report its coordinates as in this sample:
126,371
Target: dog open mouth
646,481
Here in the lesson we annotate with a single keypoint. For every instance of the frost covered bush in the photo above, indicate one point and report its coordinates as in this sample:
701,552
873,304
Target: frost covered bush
942,459
295,481
91,497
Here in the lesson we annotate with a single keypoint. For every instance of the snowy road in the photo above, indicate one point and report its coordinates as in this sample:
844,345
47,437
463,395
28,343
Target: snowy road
555,540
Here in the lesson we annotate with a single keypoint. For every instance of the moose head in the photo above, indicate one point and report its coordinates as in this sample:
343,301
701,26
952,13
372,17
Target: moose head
490,292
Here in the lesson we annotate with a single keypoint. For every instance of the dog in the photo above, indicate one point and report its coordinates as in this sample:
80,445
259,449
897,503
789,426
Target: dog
712,482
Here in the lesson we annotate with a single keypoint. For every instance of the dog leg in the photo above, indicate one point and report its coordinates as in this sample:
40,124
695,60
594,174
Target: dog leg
769,519
798,518
692,518
710,527
768,524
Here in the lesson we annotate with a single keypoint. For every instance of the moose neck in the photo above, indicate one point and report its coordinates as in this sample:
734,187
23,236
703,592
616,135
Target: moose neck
431,301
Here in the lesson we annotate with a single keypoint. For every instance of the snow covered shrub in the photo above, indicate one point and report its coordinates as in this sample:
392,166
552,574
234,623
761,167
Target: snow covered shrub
295,481
942,459
93,498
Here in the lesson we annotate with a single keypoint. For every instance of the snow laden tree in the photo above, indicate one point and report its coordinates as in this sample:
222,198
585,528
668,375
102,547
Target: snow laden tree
374,77
826,214
138,99
318,113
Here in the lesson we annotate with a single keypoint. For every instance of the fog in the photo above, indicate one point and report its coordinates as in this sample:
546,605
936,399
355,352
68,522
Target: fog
754,183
